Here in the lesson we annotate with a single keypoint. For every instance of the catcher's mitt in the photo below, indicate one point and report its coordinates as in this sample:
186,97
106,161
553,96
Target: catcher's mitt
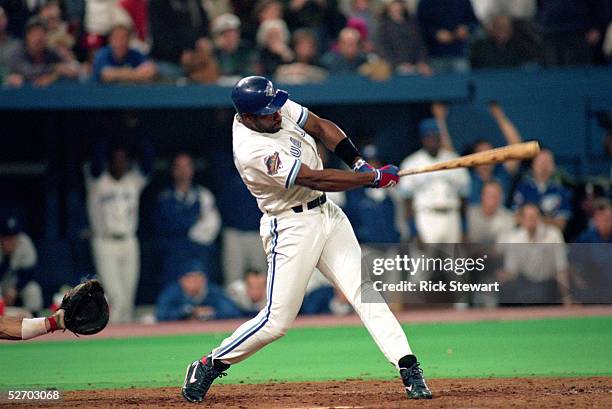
86,309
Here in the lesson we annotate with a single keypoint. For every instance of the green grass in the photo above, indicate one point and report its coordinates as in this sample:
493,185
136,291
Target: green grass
552,347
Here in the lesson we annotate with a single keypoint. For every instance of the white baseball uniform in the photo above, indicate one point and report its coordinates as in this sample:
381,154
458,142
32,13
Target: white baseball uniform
296,243
113,213
436,197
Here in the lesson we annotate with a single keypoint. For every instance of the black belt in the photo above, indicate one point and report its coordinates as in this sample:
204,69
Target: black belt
311,205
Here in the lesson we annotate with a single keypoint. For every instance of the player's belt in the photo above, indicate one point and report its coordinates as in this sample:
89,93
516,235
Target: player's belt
311,205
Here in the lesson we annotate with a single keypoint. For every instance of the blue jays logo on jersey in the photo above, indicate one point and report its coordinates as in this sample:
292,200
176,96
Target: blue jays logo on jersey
273,163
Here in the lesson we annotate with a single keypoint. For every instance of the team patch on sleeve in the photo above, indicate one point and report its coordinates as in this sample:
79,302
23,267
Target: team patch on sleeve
273,163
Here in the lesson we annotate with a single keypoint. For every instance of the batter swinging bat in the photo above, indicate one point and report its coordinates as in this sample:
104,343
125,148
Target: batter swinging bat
519,151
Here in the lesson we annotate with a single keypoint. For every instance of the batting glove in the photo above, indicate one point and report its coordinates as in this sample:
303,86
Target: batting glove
362,166
386,177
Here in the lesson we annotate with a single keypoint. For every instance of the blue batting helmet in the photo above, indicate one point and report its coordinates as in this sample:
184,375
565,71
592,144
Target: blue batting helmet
257,96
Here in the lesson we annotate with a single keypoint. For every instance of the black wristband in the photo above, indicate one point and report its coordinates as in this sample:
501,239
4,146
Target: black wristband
346,151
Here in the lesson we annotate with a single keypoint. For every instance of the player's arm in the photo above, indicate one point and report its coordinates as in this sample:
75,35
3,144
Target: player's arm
333,180
15,329
333,138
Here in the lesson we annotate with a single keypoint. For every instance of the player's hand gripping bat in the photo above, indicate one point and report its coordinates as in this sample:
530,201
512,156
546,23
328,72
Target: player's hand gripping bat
519,151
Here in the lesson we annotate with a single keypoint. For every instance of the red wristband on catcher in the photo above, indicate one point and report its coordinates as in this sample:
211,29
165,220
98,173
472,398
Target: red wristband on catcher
52,323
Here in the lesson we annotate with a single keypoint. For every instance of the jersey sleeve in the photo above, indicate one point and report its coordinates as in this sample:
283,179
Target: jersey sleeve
272,166
295,112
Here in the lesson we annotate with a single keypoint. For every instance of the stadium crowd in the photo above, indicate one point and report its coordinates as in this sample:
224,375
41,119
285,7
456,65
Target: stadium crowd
293,41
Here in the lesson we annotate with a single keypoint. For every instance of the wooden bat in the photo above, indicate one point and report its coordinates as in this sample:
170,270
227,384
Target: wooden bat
518,151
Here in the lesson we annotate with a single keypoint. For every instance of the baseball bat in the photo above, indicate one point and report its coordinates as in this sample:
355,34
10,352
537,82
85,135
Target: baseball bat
518,151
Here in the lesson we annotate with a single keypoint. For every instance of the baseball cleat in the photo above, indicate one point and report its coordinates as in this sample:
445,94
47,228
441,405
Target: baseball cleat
199,377
416,388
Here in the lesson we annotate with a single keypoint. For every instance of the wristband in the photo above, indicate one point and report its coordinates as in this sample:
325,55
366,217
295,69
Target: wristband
346,151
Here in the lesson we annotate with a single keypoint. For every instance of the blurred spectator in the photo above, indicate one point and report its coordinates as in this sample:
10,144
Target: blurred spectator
188,221
400,42
359,24
348,55
264,10
192,296
364,10
113,196
535,266
600,230
489,220
249,294
58,37
35,63
372,211
539,187
435,203
139,13
502,173
242,247
176,26
19,12
118,63
570,28
447,26
607,45
18,261
273,46
234,56
485,10
100,17
201,66
592,259
322,16
498,48
8,45
322,298
307,65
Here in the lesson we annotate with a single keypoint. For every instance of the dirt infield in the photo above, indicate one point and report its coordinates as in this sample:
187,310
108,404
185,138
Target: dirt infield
457,393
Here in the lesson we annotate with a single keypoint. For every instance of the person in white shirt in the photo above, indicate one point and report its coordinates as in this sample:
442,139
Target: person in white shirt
276,155
489,220
435,202
535,266
113,195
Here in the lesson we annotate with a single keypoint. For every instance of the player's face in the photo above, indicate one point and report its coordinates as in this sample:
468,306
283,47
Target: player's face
265,123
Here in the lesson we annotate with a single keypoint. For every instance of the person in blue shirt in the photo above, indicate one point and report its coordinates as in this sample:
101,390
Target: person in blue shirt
188,221
242,247
600,230
118,63
372,213
447,26
592,257
541,188
192,296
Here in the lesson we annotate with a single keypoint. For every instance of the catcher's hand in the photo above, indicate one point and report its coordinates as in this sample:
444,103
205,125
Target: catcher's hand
86,309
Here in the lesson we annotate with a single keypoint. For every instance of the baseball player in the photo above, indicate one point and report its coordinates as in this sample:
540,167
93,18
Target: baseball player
275,153
113,195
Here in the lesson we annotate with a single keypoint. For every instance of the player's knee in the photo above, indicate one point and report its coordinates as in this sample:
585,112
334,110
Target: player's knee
277,331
